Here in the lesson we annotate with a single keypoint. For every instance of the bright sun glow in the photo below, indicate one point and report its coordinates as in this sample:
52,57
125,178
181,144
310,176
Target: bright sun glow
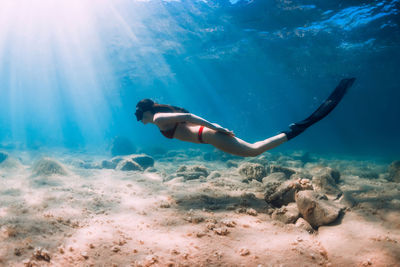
62,63
54,60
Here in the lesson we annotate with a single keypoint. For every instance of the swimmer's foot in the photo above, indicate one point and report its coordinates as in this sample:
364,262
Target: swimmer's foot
327,106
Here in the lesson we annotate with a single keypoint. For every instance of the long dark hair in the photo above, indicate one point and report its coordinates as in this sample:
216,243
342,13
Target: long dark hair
149,105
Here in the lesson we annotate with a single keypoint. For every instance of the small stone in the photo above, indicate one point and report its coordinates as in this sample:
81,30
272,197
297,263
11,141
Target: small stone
200,234
150,259
85,255
228,223
194,219
304,225
91,246
251,212
286,214
165,205
18,251
221,231
27,263
115,249
244,252
41,254
61,250
211,226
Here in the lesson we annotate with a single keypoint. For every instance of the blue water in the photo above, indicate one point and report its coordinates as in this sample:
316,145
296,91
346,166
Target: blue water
72,72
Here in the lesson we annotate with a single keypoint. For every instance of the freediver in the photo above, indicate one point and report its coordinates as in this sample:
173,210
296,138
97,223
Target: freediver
176,122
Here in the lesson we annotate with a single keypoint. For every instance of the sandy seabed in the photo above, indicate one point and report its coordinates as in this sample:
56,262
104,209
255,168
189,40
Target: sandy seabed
107,217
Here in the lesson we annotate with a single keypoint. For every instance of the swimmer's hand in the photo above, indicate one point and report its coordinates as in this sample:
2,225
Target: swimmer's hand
220,129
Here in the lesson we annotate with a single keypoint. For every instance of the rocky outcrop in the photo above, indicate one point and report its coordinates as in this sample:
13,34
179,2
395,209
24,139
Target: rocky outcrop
47,167
250,171
285,193
394,171
316,209
192,172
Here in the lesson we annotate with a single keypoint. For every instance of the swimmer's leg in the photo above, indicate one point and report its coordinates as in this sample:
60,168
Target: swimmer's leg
238,147
327,106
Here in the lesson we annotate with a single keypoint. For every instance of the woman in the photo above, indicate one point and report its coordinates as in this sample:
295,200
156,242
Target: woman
175,122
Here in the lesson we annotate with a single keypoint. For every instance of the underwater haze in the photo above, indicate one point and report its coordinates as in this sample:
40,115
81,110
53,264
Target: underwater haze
72,71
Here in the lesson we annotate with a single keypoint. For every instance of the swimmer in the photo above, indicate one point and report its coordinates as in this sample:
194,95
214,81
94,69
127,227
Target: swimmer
176,122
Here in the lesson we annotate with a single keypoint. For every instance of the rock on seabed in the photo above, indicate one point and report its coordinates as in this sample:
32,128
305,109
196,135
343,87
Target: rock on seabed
316,209
48,166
